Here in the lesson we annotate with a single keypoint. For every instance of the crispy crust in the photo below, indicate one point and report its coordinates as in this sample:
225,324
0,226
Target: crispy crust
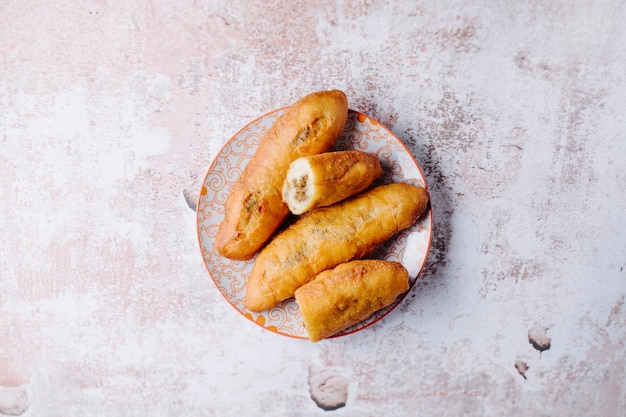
254,208
328,236
328,178
342,297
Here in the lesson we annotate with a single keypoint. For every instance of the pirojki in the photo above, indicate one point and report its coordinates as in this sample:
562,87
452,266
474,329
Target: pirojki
328,236
254,207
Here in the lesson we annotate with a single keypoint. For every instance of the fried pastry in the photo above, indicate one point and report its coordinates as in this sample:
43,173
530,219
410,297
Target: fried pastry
254,207
327,178
348,294
328,236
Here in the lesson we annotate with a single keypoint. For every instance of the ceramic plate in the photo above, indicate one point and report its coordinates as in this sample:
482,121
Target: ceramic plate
409,247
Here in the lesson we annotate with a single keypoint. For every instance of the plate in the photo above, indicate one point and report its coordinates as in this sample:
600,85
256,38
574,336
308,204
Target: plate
410,246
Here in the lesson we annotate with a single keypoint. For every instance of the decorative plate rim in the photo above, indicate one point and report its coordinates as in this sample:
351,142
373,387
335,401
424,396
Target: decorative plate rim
356,328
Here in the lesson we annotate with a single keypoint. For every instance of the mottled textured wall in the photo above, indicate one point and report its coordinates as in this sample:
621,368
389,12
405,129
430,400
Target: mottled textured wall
110,111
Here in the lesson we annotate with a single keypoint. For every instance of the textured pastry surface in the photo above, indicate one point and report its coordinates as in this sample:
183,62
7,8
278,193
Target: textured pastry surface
327,178
342,297
254,208
328,236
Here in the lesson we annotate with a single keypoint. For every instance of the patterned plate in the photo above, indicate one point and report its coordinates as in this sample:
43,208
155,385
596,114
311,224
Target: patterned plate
409,247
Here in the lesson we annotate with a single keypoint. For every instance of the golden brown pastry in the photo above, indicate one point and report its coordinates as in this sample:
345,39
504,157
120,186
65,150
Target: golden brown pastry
342,297
328,236
254,208
324,179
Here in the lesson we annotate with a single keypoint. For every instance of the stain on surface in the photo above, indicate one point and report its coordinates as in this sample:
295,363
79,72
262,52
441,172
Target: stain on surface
191,192
14,401
328,389
441,192
190,198
617,312
538,337
459,39
540,69
521,367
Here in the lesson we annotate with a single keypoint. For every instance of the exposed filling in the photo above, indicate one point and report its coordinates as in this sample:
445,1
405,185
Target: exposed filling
251,204
301,136
300,188
314,128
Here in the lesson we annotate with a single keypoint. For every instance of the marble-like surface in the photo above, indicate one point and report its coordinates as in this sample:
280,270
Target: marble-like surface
109,112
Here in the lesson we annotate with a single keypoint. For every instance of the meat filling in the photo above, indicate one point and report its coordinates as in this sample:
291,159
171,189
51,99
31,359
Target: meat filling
300,187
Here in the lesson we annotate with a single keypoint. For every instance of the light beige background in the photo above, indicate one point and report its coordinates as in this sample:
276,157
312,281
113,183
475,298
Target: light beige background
110,110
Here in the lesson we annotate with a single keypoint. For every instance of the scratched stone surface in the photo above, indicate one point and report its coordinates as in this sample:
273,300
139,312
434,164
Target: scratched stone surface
111,111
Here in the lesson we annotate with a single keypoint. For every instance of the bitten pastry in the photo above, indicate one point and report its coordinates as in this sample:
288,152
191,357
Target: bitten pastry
324,179
342,297
254,208
328,236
